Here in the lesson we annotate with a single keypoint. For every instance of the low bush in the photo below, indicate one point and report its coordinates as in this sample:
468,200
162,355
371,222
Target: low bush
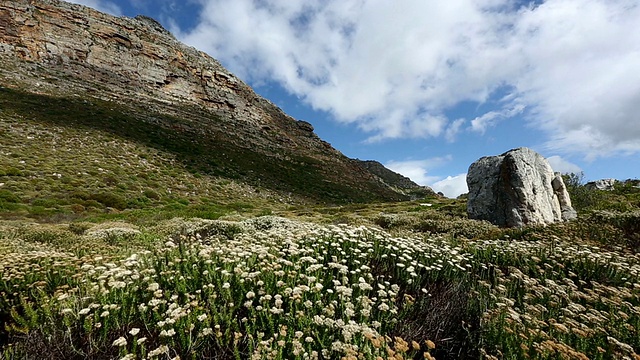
436,222
7,196
110,200
611,228
394,221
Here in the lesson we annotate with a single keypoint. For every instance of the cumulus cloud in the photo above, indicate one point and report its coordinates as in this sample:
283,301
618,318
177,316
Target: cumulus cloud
452,186
558,164
418,171
583,73
396,68
100,5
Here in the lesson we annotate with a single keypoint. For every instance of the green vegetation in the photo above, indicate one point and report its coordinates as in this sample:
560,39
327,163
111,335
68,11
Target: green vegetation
606,217
624,197
432,284
134,158
55,167
120,240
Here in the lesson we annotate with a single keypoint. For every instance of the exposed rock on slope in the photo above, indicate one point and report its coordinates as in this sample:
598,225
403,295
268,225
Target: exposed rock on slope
49,47
517,188
397,181
602,184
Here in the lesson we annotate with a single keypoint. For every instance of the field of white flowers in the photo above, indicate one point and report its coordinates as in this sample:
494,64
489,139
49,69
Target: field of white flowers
271,288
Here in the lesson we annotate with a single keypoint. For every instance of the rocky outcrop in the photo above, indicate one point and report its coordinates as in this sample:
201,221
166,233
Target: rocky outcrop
397,181
560,190
51,47
515,189
129,57
602,184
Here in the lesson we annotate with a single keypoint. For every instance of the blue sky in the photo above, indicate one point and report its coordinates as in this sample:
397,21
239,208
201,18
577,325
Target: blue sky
427,87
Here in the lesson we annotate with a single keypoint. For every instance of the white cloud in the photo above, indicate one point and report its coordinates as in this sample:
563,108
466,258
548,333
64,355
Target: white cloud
558,164
100,5
452,186
481,123
417,170
396,68
453,129
583,73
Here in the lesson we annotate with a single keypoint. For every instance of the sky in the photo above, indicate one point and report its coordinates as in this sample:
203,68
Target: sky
427,87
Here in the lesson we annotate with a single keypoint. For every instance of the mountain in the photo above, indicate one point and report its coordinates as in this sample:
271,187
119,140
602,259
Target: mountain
396,181
73,75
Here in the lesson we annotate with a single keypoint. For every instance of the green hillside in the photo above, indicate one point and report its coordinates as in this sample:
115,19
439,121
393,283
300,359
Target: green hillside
74,157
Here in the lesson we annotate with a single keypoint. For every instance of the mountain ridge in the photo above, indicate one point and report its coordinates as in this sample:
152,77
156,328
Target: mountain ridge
396,180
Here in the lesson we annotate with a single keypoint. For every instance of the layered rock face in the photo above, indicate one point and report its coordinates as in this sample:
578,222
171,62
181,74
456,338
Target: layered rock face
515,189
136,56
56,48
120,58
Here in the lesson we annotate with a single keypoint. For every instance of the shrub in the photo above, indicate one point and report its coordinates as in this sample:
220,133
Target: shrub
436,222
47,202
79,228
151,194
611,228
393,221
115,235
265,212
12,171
585,199
138,202
456,227
9,197
77,208
45,234
110,200
201,228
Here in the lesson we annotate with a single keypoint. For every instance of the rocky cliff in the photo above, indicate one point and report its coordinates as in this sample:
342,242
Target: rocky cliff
53,49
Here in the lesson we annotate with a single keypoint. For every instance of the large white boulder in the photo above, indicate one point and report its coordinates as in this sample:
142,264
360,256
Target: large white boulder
515,189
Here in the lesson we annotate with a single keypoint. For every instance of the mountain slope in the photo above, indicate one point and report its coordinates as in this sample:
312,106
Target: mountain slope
397,181
69,66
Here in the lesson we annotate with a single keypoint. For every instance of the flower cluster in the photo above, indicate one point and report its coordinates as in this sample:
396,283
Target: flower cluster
271,288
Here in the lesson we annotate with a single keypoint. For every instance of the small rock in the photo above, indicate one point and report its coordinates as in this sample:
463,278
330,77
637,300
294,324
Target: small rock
602,184
305,126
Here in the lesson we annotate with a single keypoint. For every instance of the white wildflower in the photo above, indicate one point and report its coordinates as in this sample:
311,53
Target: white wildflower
167,333
163,349
121,341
